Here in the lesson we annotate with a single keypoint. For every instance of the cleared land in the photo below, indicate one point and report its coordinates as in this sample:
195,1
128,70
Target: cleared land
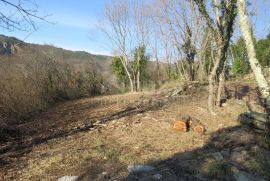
97,138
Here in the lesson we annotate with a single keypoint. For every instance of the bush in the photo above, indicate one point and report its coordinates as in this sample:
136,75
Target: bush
31,84
218,169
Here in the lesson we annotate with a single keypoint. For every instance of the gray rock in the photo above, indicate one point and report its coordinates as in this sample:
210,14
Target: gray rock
140,168
218,156
68,178
242,176
157,176
239,156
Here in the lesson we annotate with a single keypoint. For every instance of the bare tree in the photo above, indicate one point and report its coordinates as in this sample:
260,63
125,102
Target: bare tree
254,63
20,15
117,27
182,21
161,41
141,31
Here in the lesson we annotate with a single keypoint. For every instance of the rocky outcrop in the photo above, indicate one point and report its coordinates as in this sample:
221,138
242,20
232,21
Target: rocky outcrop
9,45
7,48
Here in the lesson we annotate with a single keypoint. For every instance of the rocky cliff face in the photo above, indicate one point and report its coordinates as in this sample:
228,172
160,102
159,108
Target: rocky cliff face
7,48
9,45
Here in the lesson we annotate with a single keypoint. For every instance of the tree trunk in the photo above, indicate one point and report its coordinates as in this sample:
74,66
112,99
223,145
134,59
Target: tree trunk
191,71
130,82
254,63
157,61
212,82
128,74
183,69
138,81
221,85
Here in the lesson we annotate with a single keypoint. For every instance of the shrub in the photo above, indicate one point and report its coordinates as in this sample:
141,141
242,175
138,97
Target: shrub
31,84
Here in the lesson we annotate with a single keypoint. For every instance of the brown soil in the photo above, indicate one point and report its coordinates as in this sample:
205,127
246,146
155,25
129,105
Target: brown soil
97,138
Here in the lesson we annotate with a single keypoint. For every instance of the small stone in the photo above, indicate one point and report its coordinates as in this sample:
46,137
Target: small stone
239,156
165,125
140,168
68,178
157,176
221,125
113,121
104,173
218,156
243,176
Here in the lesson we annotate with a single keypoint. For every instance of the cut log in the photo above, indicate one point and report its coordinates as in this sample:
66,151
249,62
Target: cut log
186,123
199,129
253,120
181,125
197,126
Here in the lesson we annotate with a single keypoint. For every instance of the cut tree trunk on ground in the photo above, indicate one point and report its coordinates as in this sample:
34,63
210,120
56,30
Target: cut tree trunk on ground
196,126
254,120
181,125
187,123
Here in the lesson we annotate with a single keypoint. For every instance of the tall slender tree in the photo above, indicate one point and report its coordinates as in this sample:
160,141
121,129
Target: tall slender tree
117,27
254,63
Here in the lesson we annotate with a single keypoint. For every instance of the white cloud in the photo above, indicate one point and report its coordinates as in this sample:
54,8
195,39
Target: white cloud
76,21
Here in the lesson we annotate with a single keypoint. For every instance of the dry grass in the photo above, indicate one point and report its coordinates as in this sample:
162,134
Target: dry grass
146,138
140,139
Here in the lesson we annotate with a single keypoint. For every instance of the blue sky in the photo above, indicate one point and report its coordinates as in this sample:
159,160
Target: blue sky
75,25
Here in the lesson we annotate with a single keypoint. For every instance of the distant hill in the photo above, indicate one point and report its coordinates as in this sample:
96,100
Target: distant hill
13,47
34,77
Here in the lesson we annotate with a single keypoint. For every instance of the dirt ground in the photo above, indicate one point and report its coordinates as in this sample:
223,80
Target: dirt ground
97,138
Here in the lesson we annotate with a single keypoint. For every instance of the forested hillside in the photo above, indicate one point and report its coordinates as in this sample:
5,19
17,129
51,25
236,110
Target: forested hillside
36,76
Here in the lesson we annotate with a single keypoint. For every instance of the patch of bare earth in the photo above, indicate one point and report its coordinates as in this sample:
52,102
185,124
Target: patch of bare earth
103,135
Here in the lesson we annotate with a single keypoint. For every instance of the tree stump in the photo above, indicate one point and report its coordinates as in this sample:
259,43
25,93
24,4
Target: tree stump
186,123
197,126
199,129
182,124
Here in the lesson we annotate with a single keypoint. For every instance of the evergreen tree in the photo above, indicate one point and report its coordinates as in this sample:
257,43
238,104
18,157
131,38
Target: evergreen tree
240,64
119,70
263,51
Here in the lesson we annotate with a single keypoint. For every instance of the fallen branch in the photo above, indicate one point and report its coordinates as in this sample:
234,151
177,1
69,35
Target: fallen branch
182,89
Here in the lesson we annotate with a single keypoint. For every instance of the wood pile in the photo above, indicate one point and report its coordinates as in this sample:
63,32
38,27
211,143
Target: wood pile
186,123
186,88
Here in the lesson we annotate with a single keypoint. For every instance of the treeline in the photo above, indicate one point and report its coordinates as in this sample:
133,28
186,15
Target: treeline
193,38
32,82
240,64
